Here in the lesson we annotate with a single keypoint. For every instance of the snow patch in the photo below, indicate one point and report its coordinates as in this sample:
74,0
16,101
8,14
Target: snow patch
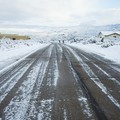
65,114
84,103
44,109
56,73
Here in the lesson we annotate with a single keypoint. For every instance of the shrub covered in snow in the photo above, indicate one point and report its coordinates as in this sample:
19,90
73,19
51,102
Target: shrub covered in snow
7,44
108,44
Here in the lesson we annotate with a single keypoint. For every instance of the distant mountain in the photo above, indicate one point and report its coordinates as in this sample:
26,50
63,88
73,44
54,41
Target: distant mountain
94,30
89,31
113,27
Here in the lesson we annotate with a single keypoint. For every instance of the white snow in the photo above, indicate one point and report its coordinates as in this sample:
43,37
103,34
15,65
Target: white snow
112,52
65,114
56,71
84,102
46,106
11,51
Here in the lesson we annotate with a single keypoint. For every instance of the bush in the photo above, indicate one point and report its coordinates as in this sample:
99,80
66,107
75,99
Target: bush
105,45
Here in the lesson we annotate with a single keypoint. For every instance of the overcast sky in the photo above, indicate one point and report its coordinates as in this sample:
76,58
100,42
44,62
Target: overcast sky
59,12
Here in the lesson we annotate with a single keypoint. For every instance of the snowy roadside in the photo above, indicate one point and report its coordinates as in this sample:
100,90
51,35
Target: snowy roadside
112,53
12,52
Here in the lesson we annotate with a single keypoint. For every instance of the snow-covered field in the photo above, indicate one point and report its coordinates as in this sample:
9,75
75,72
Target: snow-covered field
112,52
11,51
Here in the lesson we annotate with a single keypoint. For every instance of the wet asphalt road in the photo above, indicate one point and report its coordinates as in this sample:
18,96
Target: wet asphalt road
60,82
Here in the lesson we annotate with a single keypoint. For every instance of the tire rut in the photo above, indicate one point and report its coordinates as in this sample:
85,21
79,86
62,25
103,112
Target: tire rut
12,92
95,106
92,85
97,109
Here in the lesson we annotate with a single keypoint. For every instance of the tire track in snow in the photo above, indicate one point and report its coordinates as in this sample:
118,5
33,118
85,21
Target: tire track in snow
6,88
31,112
108,80
20,83
94,78
42,103
59,53
107,65
5,76
19,104
103,71
87,111
108,75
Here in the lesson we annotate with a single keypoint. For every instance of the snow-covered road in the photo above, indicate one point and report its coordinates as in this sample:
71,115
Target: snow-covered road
60,82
